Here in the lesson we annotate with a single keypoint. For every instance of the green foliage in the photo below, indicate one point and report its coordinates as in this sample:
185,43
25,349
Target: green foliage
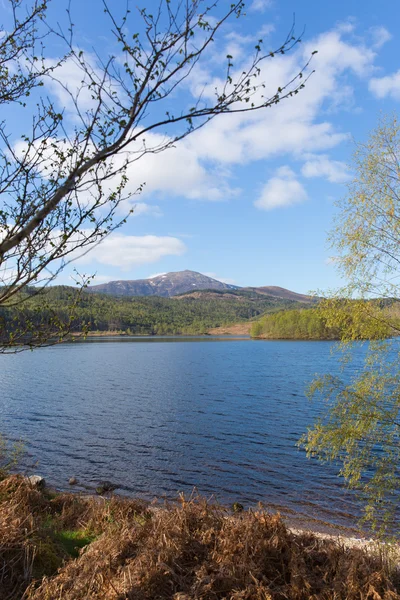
361,430
356,319
367,229
304,324
10,455
73,540
150,315
34,320
361,427
257,329
334,319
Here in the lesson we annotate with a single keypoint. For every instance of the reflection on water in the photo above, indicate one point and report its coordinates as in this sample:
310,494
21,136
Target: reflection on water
159,416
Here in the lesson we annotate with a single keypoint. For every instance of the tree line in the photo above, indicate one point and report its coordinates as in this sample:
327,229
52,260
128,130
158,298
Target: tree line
305,324
339,319
64,308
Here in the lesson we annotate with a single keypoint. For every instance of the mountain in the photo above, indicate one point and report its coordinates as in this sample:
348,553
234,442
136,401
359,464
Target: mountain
167,285
138,308
192,313
185,282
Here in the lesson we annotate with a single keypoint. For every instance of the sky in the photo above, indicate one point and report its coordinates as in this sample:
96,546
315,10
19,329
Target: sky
250,199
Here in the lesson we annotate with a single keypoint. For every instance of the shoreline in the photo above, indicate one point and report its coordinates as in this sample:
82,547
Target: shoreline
231,335
73,545
298,522
113,334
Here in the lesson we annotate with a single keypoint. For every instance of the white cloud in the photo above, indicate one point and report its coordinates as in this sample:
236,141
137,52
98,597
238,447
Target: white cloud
261,5
126,251
69,81
386,86
322,166
347,26
161,175
141,208
294,126
236,46
266,30
380,36
281,190
289,129
178,171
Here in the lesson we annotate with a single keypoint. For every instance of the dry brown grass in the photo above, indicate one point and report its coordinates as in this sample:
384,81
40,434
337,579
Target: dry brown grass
188,550
30,525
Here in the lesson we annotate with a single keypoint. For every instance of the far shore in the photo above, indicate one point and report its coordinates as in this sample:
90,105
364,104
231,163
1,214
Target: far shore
232,332
218,331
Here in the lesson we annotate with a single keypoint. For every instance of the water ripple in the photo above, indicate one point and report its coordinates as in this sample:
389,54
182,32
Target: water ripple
159,418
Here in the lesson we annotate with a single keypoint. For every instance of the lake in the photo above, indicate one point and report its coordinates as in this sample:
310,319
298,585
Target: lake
159,416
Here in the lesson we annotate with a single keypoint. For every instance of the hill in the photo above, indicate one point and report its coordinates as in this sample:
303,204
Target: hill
165,286
162,305
191,313
179,283
237,294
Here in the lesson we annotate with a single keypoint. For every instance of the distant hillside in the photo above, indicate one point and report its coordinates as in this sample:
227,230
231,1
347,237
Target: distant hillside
188,282
278,292
192,313
239,294
167,285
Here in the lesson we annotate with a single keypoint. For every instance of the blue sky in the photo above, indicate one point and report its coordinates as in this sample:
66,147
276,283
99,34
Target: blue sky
250,199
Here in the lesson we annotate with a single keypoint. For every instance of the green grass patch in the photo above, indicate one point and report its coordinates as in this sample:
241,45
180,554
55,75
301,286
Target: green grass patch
73,541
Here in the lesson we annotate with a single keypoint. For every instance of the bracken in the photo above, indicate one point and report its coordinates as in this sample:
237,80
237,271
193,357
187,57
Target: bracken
185,550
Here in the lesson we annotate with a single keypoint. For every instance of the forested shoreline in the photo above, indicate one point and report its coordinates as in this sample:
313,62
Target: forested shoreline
330,321
294,325
66,308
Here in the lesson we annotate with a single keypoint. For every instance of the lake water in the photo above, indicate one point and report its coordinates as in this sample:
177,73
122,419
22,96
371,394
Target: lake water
160,416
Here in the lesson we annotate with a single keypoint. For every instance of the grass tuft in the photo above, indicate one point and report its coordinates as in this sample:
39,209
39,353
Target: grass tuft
74,541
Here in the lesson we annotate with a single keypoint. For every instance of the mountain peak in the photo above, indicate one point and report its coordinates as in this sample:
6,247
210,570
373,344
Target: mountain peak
176,283
166,284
